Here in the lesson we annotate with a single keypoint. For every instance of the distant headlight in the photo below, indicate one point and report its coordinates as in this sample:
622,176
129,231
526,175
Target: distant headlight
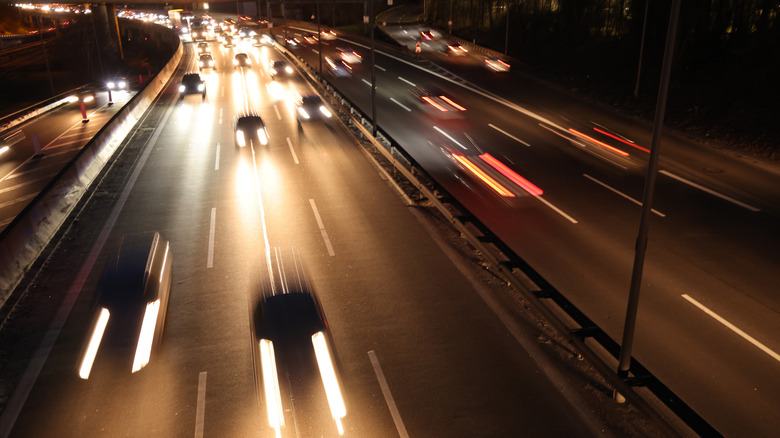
182,88
288,69
240,138
235,62
201,87
121,85
325,111
111,85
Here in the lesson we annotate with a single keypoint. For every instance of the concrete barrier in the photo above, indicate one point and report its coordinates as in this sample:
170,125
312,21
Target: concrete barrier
22,241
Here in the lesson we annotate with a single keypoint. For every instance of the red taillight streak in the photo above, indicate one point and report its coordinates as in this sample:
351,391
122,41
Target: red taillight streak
503,63
495,185
621,140
600,143
436,105
526,185
449,101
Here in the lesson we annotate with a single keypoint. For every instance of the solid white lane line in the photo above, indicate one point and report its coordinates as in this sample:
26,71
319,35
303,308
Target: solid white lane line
210,261
315,51
278,115
322,228
366,82
508,135
216,161
711,192
220,116
732,327
616,191
450,137
223,88
556,209
200,410
380,376
400,104
408,82
292,150
381,68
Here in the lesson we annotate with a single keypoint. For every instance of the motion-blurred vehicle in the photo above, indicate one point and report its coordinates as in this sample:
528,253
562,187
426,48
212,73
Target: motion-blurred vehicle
338,68
327,34
117,83
84,95
281,68
455,49
294,357
349,56
250,129
241,60
311,107
227,41
131,305
203,47
192,83
426,35
309,39
266,40
206,61
435,101
496,64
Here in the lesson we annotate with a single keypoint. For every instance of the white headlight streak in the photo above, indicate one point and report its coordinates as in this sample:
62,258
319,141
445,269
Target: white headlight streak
146,337
273,397
328,373
261,134
325,111
94,343
240,138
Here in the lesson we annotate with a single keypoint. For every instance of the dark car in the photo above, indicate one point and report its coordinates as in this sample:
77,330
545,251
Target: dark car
242,60
295,360
132,302
280,68
84,96
311,107
206,61
250,128
192,83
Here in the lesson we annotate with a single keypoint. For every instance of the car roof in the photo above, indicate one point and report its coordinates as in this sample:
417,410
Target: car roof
311,99
281,61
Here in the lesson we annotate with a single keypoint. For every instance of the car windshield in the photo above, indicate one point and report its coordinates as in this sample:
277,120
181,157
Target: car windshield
311,101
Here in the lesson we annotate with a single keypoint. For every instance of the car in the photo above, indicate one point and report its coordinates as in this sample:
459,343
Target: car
266,39
249,129
203,47
117,83
311,107
327,34
349,56
242,60
426,35
455,49
496,64
295,362
130,307
206,61
309,38
84,96
192,83
338,68
227,41
280,68
437,102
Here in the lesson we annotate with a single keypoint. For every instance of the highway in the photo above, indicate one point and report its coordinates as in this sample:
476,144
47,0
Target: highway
708,318
424,347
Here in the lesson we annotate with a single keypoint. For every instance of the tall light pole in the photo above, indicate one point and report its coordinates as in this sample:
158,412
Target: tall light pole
641,49
647,201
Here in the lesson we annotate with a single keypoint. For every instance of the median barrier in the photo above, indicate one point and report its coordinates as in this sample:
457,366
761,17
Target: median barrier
23,240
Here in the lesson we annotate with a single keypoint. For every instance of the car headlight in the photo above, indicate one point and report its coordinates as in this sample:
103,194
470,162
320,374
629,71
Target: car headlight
288,69
263,136
211,63
111,85
273,72
303,113
240,138
121,84
88,99
72,99
325,111
201,87
235,62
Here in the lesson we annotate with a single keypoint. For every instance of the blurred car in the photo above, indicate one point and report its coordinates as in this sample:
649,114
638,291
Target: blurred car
426,35
437,102
281,68
203,47
241,60
227,41
294,357
309,39
496,64
206,61
338,68
327,34
131,306
456,49
83,95
349,56
192,83
116,83
266,39
250,128
311,107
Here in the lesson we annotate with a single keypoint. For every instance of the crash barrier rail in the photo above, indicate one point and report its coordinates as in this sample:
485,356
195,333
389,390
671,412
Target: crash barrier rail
22,241
587,339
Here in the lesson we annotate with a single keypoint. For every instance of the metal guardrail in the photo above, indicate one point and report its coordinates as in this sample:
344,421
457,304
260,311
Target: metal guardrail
516,272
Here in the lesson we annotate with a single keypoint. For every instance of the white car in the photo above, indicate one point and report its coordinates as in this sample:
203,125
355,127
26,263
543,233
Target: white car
350,56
